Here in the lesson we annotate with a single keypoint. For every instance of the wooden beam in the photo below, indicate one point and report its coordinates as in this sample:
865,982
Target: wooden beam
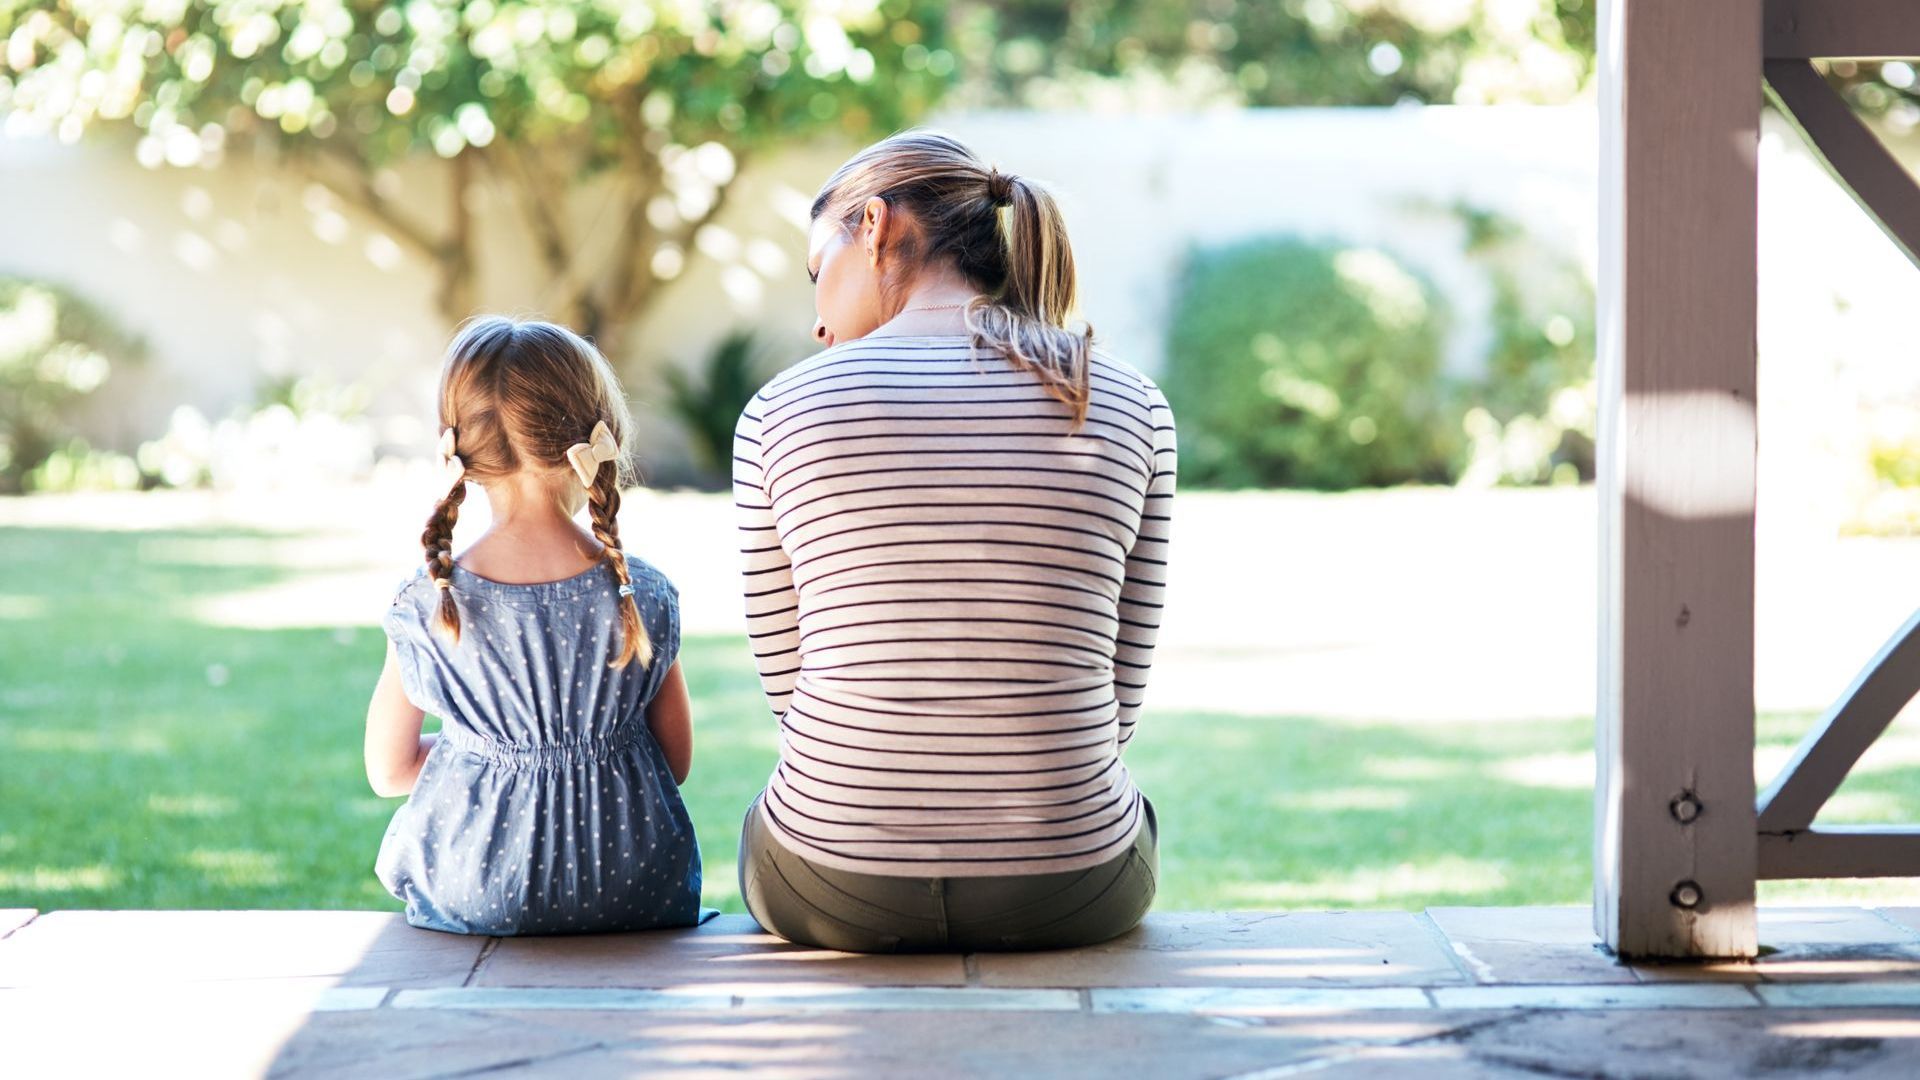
1675,835
1837,851
1862,713
1842,29
1855,158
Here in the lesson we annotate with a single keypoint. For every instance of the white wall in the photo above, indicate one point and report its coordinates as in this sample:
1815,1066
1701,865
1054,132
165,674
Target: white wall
240,271
243,270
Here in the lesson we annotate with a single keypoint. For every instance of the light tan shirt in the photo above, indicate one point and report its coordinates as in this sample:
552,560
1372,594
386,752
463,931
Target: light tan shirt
953,603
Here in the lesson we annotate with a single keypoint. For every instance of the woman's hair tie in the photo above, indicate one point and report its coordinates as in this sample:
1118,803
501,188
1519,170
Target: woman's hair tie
626,588
999,187
443,583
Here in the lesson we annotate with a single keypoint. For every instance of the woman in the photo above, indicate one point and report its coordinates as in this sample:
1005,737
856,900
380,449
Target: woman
954,523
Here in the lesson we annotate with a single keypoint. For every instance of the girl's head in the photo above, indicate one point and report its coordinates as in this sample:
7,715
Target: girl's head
518,394
919,204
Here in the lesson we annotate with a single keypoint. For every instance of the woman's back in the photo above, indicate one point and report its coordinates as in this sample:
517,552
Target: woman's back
953,600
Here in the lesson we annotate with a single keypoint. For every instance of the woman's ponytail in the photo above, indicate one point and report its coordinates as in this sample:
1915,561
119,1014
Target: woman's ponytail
1026,322
1004,233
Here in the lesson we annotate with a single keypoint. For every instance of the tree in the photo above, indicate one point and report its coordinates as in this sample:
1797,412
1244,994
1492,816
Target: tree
663,101
660,101
1275,52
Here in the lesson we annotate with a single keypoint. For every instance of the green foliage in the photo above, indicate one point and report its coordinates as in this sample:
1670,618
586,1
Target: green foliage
710,408
660,101
55,349
1280,52
380,79
1532,414
1292,363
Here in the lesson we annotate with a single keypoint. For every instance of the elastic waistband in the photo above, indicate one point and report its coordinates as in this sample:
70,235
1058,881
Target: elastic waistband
538,755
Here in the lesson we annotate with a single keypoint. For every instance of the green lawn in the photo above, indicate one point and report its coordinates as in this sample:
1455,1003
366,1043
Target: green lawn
154,760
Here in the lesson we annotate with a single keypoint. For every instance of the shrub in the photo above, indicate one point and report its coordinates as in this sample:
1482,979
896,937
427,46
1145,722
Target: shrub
1292,363
1532,412
709,409
55,349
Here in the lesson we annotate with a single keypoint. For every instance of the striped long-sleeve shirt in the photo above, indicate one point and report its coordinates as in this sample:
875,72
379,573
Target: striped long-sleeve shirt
953,602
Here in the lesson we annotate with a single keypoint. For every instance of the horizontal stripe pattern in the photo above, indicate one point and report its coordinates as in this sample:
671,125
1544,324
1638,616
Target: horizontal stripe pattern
952,600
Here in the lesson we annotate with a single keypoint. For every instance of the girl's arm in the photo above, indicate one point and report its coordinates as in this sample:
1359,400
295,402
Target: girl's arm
670,717
395,748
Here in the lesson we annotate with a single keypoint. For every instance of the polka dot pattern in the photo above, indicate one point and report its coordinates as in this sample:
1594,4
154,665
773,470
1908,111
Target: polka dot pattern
546,806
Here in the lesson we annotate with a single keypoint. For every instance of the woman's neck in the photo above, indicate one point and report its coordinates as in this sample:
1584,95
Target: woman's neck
945,296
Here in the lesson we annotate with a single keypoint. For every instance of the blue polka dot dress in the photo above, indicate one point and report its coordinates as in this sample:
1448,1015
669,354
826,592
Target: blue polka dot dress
545,806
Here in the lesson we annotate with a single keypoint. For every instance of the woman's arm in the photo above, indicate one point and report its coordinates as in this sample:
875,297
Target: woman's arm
772,603
395,748
670,718
1143,597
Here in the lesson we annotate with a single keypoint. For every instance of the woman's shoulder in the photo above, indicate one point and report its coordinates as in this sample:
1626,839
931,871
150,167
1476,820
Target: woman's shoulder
797,370
1116,368
1128,380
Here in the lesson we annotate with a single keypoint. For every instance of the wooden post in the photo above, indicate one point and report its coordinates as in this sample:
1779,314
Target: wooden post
1675,832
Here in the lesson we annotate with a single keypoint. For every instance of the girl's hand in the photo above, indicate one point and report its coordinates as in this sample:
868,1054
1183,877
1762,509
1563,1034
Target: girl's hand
670,717
395,748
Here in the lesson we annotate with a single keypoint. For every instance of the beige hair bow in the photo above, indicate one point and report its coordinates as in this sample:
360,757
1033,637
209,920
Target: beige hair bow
450,463
587,457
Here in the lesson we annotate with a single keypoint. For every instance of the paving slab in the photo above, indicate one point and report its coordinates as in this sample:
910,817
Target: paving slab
1348,948
207,1029
1908,917
413,1045
1255,1000
934,1044
1611,996
12,919
1694,1044
1833,943
729,950
1528,945
352,948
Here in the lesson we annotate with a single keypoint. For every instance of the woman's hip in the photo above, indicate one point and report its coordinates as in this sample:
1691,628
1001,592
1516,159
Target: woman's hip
829,907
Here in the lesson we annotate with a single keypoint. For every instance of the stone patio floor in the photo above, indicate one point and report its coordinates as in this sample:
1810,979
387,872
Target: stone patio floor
1449,992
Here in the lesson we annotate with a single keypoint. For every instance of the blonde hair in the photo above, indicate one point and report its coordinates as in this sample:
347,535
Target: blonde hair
518,393
1020,260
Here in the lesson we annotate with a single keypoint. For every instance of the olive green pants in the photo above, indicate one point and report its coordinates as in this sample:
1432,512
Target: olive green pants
810,904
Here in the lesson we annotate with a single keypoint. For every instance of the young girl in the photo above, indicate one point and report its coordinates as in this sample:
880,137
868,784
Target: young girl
549,801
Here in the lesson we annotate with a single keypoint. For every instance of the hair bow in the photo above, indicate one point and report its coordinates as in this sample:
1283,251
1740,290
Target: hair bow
450,463
586,457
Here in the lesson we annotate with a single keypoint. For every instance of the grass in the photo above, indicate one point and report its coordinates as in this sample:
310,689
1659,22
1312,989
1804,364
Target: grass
154,759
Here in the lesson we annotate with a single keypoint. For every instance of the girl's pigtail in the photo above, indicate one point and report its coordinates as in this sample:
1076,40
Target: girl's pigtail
438,541
604,498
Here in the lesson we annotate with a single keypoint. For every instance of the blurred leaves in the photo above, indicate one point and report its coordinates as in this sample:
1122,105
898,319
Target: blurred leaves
1274,52
55,349
710,408
1295,363
658,101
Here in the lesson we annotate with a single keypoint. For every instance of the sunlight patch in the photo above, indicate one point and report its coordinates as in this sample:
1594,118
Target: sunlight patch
1864,808
89,742
337,599
238,867
191,805
1355,798
45,879
23,607
1407,883
1411,768
1565,772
